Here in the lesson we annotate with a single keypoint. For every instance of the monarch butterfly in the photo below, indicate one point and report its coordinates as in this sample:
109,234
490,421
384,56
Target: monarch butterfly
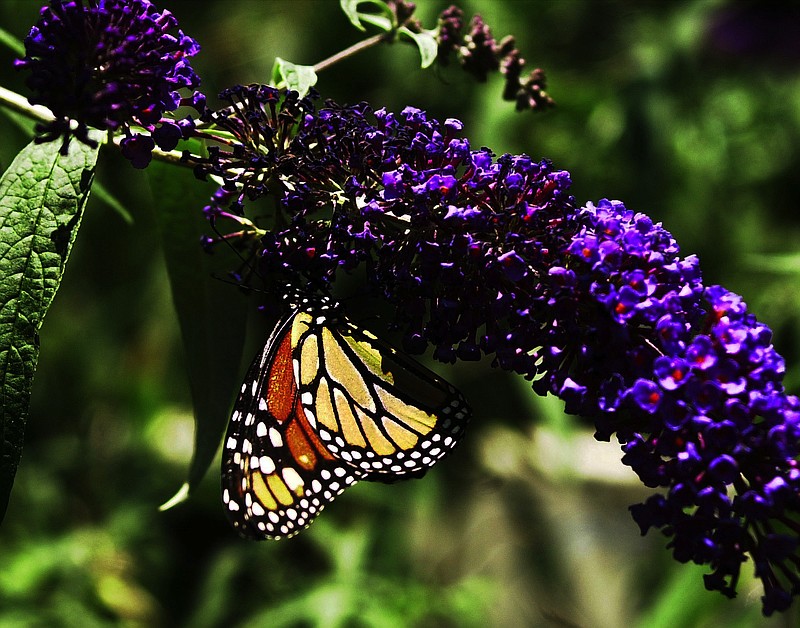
324,405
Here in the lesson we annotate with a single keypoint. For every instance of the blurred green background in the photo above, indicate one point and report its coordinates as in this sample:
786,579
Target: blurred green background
688,111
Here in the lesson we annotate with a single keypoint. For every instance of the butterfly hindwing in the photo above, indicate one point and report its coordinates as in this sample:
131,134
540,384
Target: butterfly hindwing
374,408
277,475
323,405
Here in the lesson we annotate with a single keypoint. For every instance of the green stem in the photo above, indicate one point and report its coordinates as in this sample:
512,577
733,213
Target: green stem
349,52
20,104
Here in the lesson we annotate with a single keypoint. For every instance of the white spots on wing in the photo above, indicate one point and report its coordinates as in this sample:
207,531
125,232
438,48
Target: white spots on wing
312,420
261,429
267,464
292,478
275,437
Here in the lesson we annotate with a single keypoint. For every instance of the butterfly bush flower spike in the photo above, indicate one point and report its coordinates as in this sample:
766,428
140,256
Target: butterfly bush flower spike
109,64
488,255
479,54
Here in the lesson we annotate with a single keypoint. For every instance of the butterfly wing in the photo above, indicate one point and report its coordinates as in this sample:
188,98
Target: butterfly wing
276,473
374,408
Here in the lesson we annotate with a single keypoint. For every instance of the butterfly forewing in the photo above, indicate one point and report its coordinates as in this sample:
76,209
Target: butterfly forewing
277,474
375,409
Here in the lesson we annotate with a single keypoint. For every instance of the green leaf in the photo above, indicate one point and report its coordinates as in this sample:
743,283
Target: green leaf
101,192
426,42
385,22
212,314
788,263
23,123
26,125
300,78
42,197
12,43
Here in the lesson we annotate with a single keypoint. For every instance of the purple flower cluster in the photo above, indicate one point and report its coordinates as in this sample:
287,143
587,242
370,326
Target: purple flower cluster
486,255
108,64
696,398
480,54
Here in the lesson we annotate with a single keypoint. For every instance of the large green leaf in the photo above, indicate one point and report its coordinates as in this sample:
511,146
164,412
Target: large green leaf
211,313
42,197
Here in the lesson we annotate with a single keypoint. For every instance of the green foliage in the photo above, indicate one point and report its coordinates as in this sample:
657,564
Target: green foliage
300,78
384,19
11,42
113,203
42,197
212,323
426,43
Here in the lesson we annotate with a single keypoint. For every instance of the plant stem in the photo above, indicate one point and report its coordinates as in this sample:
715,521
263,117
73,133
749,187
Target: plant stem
349,52
20,104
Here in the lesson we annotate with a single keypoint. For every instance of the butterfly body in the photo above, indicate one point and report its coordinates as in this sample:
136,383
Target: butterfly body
324,405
